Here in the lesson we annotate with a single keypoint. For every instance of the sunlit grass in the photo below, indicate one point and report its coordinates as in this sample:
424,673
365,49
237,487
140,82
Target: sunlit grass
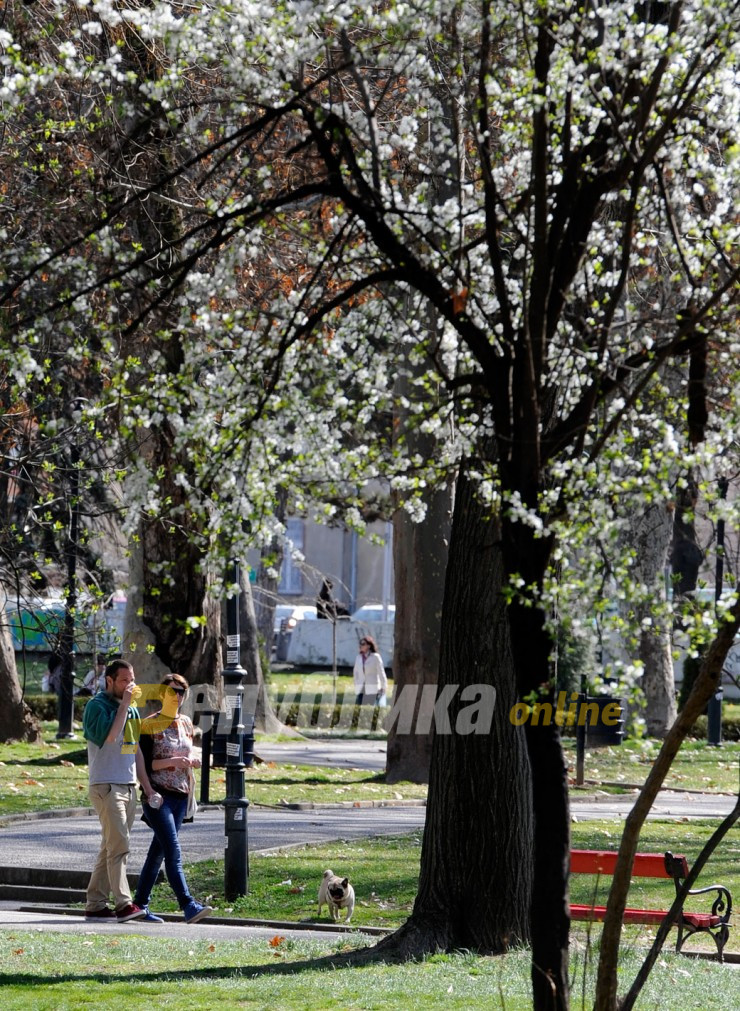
384,871
58,972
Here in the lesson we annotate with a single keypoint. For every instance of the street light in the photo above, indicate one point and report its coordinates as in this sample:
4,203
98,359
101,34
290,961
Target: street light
236,854
67,638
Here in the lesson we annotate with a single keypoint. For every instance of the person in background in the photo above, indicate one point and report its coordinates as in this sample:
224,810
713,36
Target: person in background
52,680
110,725
95,678
371,683
167,748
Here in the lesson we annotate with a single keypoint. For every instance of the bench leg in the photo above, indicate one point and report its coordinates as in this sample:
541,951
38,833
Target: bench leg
720,935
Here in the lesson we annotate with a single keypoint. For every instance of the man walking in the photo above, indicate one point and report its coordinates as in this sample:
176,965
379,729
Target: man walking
111,728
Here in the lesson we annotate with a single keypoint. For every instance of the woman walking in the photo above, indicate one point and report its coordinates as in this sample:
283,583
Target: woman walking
371,683
167,743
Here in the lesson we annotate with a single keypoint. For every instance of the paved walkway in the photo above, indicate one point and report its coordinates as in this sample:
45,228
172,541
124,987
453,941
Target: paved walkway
23,916
72,843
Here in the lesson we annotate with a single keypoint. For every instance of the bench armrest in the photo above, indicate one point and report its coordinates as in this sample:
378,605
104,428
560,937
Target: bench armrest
723,902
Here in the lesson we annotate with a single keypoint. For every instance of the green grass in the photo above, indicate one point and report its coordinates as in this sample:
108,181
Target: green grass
696,767
284,885
54,775
40,777
51,775
384,871
50,972
277,785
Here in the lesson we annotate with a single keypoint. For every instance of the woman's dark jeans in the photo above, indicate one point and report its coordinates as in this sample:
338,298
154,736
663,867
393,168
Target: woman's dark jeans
165,823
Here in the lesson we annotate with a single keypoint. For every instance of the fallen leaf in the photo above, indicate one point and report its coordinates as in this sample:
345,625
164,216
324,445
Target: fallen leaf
276,941
32,782
18,951
211,947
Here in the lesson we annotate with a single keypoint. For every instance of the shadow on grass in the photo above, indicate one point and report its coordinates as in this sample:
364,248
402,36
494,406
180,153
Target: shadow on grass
78,757
351,959
316,780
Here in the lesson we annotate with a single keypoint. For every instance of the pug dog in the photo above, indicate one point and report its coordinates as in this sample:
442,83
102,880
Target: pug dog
336,893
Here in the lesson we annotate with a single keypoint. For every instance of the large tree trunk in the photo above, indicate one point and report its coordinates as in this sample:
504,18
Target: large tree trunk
17,722
156,636
476,863
420,561
651,537
527,555
686,555
170,586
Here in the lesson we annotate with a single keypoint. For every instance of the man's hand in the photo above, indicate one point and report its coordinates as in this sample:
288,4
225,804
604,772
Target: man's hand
130,692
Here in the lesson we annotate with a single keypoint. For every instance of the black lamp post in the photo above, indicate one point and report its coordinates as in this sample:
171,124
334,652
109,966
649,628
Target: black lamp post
67,638
236,855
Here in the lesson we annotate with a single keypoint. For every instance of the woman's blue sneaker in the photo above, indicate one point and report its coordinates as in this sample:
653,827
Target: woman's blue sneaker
194,911
150,917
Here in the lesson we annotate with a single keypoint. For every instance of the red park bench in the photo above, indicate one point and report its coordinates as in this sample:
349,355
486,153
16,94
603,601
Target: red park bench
657,865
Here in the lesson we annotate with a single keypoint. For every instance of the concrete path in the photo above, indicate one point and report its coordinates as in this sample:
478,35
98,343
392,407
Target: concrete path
72,843
344,754
22,916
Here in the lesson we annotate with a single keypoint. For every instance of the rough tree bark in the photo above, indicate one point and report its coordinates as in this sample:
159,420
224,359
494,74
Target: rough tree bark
527,555
686,555
156,639
17,722
473,895
271,559
651,537
420,561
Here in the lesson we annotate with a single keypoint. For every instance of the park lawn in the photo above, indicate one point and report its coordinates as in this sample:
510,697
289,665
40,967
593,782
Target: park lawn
63,972
697,766
43,777
53,775
283,884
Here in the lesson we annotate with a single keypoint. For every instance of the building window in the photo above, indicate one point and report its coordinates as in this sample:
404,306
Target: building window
291,577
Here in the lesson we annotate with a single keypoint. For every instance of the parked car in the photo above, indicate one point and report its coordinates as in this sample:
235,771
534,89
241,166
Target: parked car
375,612
288,615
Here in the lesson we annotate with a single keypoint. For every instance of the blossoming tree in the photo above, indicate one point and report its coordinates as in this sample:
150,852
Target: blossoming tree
526,210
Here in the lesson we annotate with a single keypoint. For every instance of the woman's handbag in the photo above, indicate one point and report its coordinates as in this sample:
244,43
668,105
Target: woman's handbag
192,807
